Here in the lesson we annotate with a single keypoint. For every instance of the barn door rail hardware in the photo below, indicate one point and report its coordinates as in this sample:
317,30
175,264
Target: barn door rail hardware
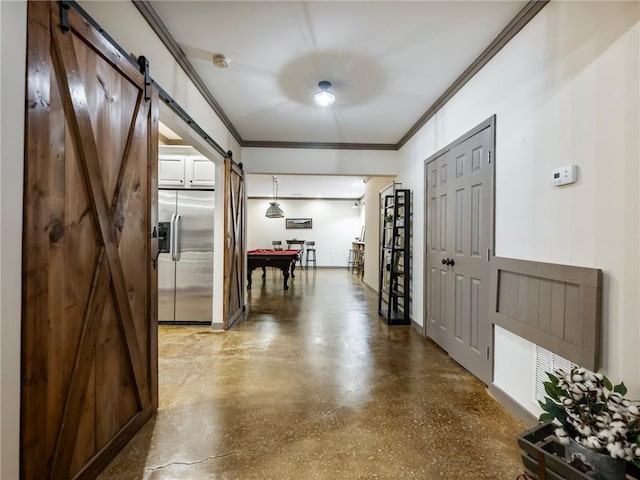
143,63
64,16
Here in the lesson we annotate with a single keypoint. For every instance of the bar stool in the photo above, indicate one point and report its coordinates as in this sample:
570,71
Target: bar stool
311,252
277,244
352,262
359,261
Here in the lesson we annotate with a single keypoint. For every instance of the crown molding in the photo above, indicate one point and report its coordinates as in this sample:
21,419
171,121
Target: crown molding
320,145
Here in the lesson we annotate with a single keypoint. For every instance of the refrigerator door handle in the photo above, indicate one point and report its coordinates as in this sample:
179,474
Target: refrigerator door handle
176,245
172,237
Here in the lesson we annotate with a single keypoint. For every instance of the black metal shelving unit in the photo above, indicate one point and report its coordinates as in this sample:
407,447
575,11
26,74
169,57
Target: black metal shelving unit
393,292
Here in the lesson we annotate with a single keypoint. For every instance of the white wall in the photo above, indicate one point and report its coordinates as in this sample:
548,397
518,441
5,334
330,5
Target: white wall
515,359
320,161
565,91
12,85
335,225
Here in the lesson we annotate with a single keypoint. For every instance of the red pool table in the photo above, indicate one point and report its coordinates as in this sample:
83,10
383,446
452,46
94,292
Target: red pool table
285,260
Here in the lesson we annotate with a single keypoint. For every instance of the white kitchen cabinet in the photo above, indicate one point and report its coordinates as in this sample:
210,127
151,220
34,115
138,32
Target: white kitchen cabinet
202,174
185,172
171,172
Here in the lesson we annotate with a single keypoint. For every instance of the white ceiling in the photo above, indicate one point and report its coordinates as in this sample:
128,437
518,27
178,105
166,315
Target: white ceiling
389,61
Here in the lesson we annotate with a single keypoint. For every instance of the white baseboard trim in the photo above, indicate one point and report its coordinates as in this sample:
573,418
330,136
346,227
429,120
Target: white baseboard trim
417,327
514,407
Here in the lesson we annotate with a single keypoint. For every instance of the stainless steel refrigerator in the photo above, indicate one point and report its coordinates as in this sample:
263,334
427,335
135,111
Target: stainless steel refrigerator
185,268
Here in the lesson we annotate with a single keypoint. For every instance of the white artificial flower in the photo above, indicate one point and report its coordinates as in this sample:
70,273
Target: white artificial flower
567,401
616,450
618,428
616,398
563,438
613,408
633,409
606,436
593,442
584,430
628,456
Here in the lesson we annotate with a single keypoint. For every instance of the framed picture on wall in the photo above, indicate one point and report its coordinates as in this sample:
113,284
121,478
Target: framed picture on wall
295,223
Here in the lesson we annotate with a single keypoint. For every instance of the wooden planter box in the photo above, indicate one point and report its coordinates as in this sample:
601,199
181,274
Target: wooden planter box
543,456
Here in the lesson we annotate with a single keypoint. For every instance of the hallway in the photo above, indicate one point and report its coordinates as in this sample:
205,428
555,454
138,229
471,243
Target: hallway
314,386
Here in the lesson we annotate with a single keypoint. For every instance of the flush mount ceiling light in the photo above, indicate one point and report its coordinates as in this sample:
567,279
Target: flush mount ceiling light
324,97
274,210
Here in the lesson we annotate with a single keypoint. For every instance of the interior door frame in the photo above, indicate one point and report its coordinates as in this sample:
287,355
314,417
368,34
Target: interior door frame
491,124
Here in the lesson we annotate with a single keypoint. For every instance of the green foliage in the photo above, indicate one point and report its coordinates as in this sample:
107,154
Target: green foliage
552,411
553,378
621,389
546,417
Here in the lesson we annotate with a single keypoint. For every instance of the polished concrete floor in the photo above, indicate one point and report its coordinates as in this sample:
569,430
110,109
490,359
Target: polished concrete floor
314,386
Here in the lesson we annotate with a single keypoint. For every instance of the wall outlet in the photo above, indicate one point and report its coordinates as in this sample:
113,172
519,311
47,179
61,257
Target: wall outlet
564,175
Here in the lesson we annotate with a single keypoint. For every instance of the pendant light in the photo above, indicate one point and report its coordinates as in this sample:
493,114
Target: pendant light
324,97
274,210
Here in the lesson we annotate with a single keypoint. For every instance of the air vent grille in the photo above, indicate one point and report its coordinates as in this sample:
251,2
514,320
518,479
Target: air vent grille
547,361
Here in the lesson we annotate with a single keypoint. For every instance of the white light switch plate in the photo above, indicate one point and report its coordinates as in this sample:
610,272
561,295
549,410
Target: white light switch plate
564,175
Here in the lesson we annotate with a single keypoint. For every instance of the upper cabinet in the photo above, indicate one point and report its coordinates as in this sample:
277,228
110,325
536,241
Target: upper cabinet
203,172
186,172
171,172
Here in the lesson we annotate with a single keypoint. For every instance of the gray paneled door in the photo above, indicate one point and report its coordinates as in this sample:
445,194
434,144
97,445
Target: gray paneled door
438,306
459,238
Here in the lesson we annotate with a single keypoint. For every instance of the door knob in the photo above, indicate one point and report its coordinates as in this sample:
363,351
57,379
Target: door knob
450,262
444,261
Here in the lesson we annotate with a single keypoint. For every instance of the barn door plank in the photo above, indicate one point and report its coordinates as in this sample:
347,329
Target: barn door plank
35,299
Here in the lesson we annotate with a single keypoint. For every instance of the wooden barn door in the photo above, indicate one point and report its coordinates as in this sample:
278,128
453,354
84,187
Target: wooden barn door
234,255
89,335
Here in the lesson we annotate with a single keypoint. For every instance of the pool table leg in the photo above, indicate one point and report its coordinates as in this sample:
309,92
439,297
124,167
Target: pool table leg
285,272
